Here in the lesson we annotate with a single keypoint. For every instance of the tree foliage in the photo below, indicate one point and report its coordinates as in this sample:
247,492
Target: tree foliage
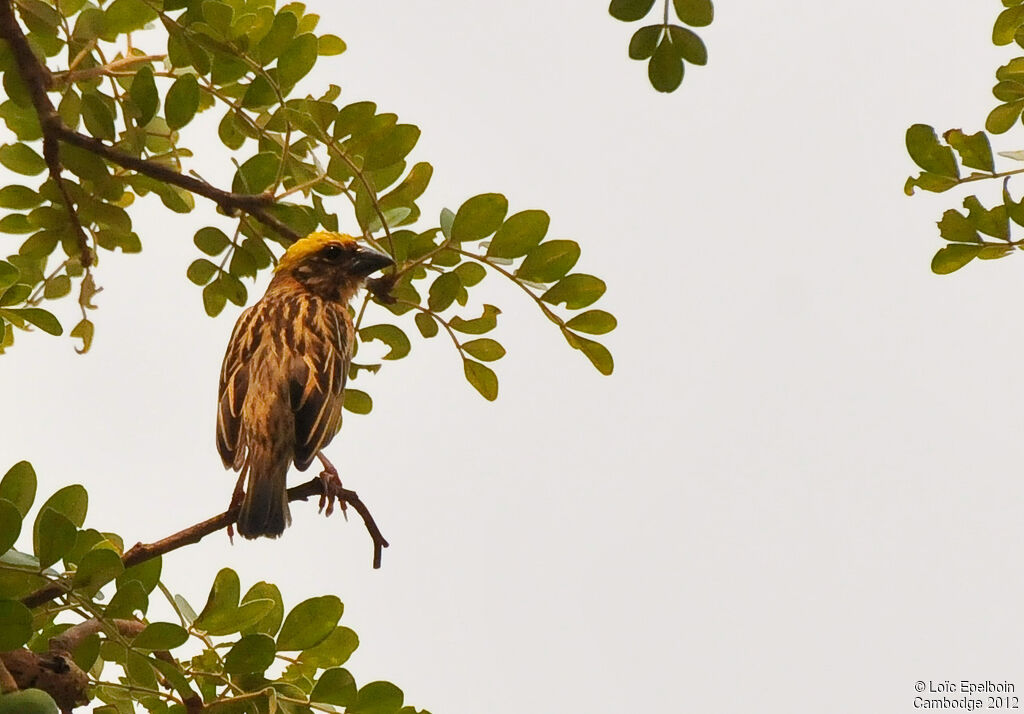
666,46
958,158
243,651
112,128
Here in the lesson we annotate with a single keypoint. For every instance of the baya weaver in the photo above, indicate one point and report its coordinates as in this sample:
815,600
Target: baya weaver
284,373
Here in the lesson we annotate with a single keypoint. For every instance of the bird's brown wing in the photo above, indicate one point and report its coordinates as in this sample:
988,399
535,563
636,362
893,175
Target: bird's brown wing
318,375
234,383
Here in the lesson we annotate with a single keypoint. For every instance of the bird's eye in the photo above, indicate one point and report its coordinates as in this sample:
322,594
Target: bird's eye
333,252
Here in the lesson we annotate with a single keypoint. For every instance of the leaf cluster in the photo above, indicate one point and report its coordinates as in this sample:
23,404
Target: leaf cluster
303,162
960,158
242,652
666,46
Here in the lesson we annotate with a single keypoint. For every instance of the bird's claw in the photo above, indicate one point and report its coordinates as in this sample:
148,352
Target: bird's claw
332,491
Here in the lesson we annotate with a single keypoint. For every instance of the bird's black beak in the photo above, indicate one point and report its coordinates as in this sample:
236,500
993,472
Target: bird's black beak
367,261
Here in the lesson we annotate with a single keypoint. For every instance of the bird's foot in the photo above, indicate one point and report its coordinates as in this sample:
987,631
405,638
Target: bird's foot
237,496
332,489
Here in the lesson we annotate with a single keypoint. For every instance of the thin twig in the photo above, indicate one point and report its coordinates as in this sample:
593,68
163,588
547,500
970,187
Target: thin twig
111,69
141,552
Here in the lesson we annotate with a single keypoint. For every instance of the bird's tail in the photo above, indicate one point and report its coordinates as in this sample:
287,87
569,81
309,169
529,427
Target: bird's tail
264,509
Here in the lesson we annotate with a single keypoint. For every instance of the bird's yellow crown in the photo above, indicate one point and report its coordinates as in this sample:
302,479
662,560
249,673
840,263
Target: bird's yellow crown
304,247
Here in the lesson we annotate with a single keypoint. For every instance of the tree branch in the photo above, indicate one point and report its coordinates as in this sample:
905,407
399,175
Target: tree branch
38,80
141,552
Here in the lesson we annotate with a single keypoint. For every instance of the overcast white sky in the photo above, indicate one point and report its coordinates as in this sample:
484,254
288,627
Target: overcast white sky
801,489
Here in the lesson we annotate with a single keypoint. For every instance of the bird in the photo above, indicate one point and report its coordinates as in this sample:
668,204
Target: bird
283,378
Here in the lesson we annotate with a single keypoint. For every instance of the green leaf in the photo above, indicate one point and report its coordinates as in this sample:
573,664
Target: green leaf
85,540
665,70
630,10
576,291
482,377
123,16
447,220
953,257
310,622
218,15
357,401
993,252
19,197
182,101
19,487
377,698
270,623
487,321
926,151
597,353
470,274
15,625
955,227
687,45
394,147
201,271
232,288
15,294
98,567
238,619
281,33
696,13
253,653
212,241
593,322
427,325
10,524
390,335
991,222
21,159
214,298
8,275
28,701
519,234
129,599
929,182
139,670
484,349
72,501
15,223
160,636
223,597
84,330
297,59
479,217
1007,24
328,45
57,287
98,118
335,686
974,149
549,261
443,291
172,673
52,537
87,652
256,174
644,42
144,94
332,651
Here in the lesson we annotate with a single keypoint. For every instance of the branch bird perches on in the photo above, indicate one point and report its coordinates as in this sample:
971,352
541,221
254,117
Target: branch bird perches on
141,552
